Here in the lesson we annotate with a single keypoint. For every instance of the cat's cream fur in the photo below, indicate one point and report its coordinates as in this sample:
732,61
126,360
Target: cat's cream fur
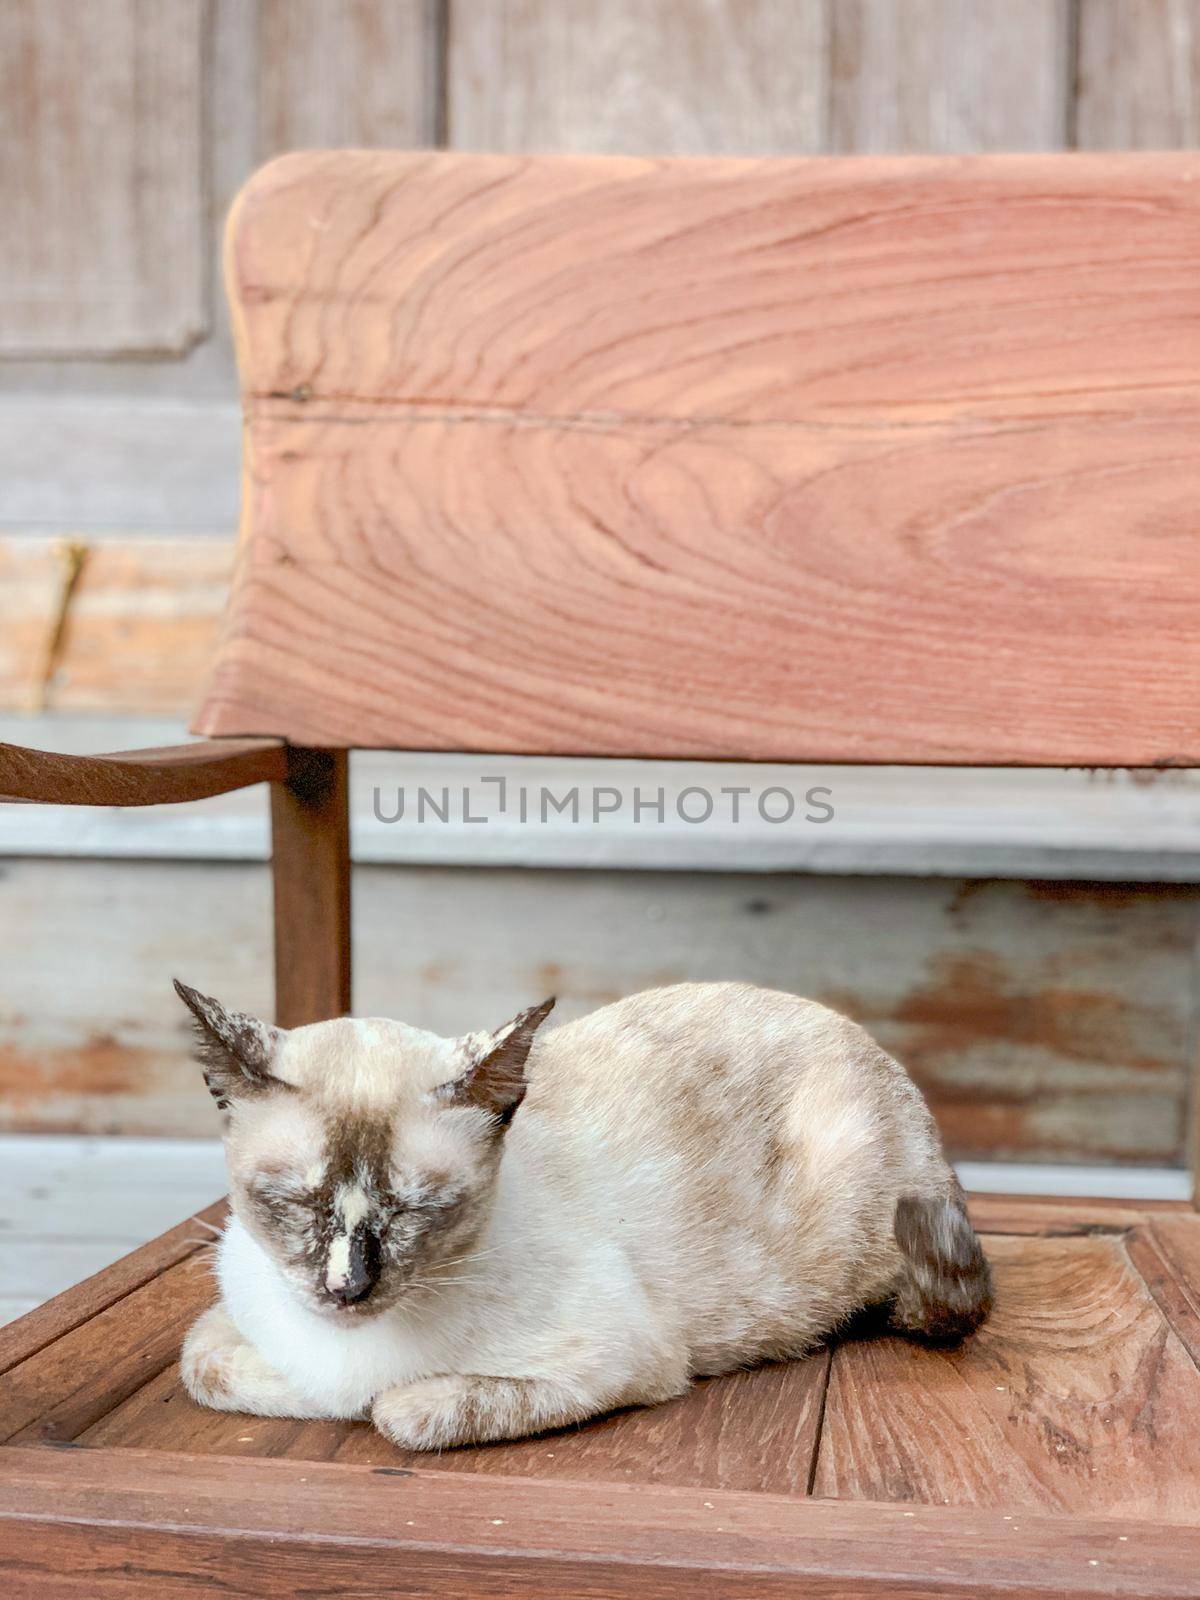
698,1178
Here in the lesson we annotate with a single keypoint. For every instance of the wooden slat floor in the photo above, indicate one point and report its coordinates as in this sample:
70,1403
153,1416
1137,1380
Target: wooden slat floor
1081,1395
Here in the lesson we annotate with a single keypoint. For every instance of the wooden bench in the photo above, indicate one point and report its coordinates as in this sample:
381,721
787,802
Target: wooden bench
839,460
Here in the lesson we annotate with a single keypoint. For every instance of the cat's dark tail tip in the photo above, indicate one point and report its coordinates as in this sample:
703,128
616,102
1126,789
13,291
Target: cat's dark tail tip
946,1290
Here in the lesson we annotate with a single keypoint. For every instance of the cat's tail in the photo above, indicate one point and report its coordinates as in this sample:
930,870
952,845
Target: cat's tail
946,1290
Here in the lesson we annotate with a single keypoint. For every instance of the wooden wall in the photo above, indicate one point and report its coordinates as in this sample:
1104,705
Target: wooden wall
1047,1020
128,125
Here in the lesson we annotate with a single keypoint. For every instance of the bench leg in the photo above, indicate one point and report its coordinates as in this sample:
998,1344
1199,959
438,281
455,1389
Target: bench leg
310,831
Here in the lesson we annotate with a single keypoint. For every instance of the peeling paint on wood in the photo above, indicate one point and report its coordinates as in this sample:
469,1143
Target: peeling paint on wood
1044,1022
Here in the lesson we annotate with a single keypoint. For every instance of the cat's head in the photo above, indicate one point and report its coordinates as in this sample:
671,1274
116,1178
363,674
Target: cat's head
362,1154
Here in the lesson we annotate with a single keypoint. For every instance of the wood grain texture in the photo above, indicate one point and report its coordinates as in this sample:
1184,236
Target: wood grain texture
68,1384
104,203
140,777
346,72
31,588
310,872
1076,1396
754,1431
680,77
113,1522
1167,1254
1067,1216
877,463
142,624
949,75
1138,74
133,628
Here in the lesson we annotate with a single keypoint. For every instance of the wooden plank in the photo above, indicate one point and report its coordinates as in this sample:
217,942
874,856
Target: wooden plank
113,1523
1063,1216
162,1416
1076,1396
159,464
1167,1254
347,72
949,75
69,1384
618,76
1137,76
21,1341
139,622
921,263
89,1061
32,578
755,1431
1046,1022
104,203
560,426
830,669
142,625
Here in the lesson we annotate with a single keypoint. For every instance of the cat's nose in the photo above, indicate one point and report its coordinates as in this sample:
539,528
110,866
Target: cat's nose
350,1293
352,1268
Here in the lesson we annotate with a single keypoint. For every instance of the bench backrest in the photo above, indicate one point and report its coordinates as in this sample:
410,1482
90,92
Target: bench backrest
850,459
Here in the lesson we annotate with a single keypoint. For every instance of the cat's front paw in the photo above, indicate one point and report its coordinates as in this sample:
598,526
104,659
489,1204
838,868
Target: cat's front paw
433,1414
221,1370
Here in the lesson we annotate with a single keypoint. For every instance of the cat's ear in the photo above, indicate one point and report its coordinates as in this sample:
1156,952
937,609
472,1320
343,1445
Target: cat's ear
235,1050
493,1077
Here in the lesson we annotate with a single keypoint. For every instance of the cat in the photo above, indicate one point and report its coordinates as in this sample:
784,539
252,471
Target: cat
480,1238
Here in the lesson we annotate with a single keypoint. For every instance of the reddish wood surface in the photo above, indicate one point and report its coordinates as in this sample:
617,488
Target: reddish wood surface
1076,1396
753,1431
1053,1455
106,1522
882,459
69,1384
139,777
310,860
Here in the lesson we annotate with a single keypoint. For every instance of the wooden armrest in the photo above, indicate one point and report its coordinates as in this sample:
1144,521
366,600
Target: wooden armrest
140,777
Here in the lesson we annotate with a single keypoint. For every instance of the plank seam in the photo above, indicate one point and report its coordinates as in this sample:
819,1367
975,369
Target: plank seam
818,1432
60,1332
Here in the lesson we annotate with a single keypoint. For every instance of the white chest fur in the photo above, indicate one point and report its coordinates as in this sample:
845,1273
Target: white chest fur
341,1367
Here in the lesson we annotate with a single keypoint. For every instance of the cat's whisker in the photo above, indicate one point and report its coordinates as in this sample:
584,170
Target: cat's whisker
475,1255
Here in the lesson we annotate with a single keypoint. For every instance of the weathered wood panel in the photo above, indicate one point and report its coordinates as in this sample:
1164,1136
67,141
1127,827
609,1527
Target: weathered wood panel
347,72
1051,1022
32,590
101,168
679,77
1138,76
98,626
949,75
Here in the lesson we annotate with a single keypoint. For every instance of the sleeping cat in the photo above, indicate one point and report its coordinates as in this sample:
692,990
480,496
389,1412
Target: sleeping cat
478,1238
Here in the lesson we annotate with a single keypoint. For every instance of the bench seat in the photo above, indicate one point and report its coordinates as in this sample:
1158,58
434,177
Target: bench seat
1070,1421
